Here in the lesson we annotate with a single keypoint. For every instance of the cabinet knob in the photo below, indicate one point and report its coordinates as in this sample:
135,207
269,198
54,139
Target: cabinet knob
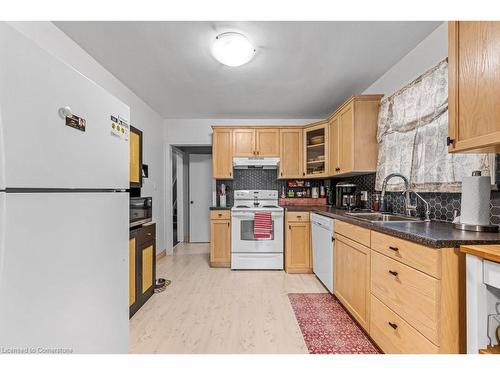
393,325
449,141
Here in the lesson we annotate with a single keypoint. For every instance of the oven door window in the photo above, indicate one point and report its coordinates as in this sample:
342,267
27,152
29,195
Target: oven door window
246,231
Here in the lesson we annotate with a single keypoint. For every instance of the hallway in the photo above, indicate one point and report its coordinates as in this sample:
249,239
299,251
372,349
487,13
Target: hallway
210,310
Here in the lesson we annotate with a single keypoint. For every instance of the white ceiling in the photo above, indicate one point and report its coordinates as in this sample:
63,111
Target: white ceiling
301,69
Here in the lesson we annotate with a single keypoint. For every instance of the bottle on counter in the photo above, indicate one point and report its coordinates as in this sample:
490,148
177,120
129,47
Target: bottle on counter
376,202
322,191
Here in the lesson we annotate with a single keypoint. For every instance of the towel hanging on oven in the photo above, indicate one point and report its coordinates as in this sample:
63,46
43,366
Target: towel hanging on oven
262,225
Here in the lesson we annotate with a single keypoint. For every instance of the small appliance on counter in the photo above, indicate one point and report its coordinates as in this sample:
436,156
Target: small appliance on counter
345,195
475,204
141,211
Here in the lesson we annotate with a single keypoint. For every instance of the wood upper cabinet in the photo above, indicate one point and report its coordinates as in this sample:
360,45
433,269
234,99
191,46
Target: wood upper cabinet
291,148
220,238
135,144
352,278
243,142
298,257
267,142
334,145
474,79
256,142
222,155
353,136
316,150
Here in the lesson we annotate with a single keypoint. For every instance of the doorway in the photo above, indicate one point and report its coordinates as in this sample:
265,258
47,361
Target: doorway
200,196
191,182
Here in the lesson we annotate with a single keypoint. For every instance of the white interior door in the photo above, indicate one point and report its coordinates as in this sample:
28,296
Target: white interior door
200,196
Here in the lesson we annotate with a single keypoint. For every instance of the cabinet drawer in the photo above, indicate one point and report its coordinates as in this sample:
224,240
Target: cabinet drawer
354,232
393,335
410,293
297,216
145,233
220,214
425,259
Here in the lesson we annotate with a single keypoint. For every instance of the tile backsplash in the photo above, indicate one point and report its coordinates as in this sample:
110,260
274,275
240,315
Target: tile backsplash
442,205
259,179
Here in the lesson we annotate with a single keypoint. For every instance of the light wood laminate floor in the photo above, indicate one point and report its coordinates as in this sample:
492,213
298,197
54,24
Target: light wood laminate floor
216,310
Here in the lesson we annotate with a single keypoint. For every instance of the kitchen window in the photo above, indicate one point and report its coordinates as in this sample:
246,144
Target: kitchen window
412,132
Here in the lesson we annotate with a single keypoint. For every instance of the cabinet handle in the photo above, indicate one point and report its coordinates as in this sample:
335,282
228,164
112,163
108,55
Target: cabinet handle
281,173
393,273
289,227
228,225
230,173
393,325
337,169
449,141
333,238
220,215
299,216
303,173
393,248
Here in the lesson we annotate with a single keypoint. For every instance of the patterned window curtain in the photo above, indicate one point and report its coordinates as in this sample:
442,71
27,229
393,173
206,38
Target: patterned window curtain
412,131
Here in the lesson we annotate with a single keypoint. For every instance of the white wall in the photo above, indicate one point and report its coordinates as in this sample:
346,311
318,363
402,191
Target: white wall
197,132
49,37
429,52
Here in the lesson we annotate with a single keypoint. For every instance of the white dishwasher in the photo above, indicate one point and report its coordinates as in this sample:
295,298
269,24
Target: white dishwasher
323,247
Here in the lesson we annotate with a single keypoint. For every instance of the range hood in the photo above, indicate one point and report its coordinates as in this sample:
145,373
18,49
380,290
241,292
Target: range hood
256,163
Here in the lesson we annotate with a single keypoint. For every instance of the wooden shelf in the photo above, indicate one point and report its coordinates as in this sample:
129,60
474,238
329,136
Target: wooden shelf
316,162
316,145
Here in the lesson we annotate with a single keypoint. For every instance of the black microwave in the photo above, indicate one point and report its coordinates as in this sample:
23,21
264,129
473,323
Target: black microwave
141,210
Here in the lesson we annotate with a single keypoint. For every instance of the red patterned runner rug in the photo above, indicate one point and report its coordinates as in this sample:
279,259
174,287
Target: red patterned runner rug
326,327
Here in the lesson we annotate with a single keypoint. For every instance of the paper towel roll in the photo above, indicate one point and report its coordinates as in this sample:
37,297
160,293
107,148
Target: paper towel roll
475,209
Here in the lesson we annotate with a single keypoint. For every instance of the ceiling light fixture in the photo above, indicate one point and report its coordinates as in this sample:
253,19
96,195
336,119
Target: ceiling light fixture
232,49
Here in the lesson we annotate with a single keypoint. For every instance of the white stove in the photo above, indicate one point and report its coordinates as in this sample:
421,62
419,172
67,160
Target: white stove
248,252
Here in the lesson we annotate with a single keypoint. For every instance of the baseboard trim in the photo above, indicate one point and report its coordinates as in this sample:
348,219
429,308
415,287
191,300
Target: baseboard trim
161,254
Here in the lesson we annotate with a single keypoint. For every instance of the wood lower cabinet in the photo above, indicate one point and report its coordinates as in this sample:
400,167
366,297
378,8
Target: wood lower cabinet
291,153
222,154
473,82
353,136
142,266
352,278
135,144
220,238
298,257
409,297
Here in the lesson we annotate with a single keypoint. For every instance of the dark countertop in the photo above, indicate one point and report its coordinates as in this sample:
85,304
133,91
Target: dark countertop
219,208
438,234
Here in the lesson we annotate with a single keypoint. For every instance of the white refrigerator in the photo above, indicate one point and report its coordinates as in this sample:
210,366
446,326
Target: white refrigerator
64,208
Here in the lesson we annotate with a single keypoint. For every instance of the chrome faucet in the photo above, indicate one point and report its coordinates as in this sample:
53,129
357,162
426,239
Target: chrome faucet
406,192
413,207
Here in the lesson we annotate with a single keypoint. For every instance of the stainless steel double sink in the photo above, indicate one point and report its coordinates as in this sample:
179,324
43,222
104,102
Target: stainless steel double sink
375,217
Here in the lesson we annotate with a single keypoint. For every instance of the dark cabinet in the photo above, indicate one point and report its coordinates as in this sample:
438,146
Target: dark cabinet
135,157
142,266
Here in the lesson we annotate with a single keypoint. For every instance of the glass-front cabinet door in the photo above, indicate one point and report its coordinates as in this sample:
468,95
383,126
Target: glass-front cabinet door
316,150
